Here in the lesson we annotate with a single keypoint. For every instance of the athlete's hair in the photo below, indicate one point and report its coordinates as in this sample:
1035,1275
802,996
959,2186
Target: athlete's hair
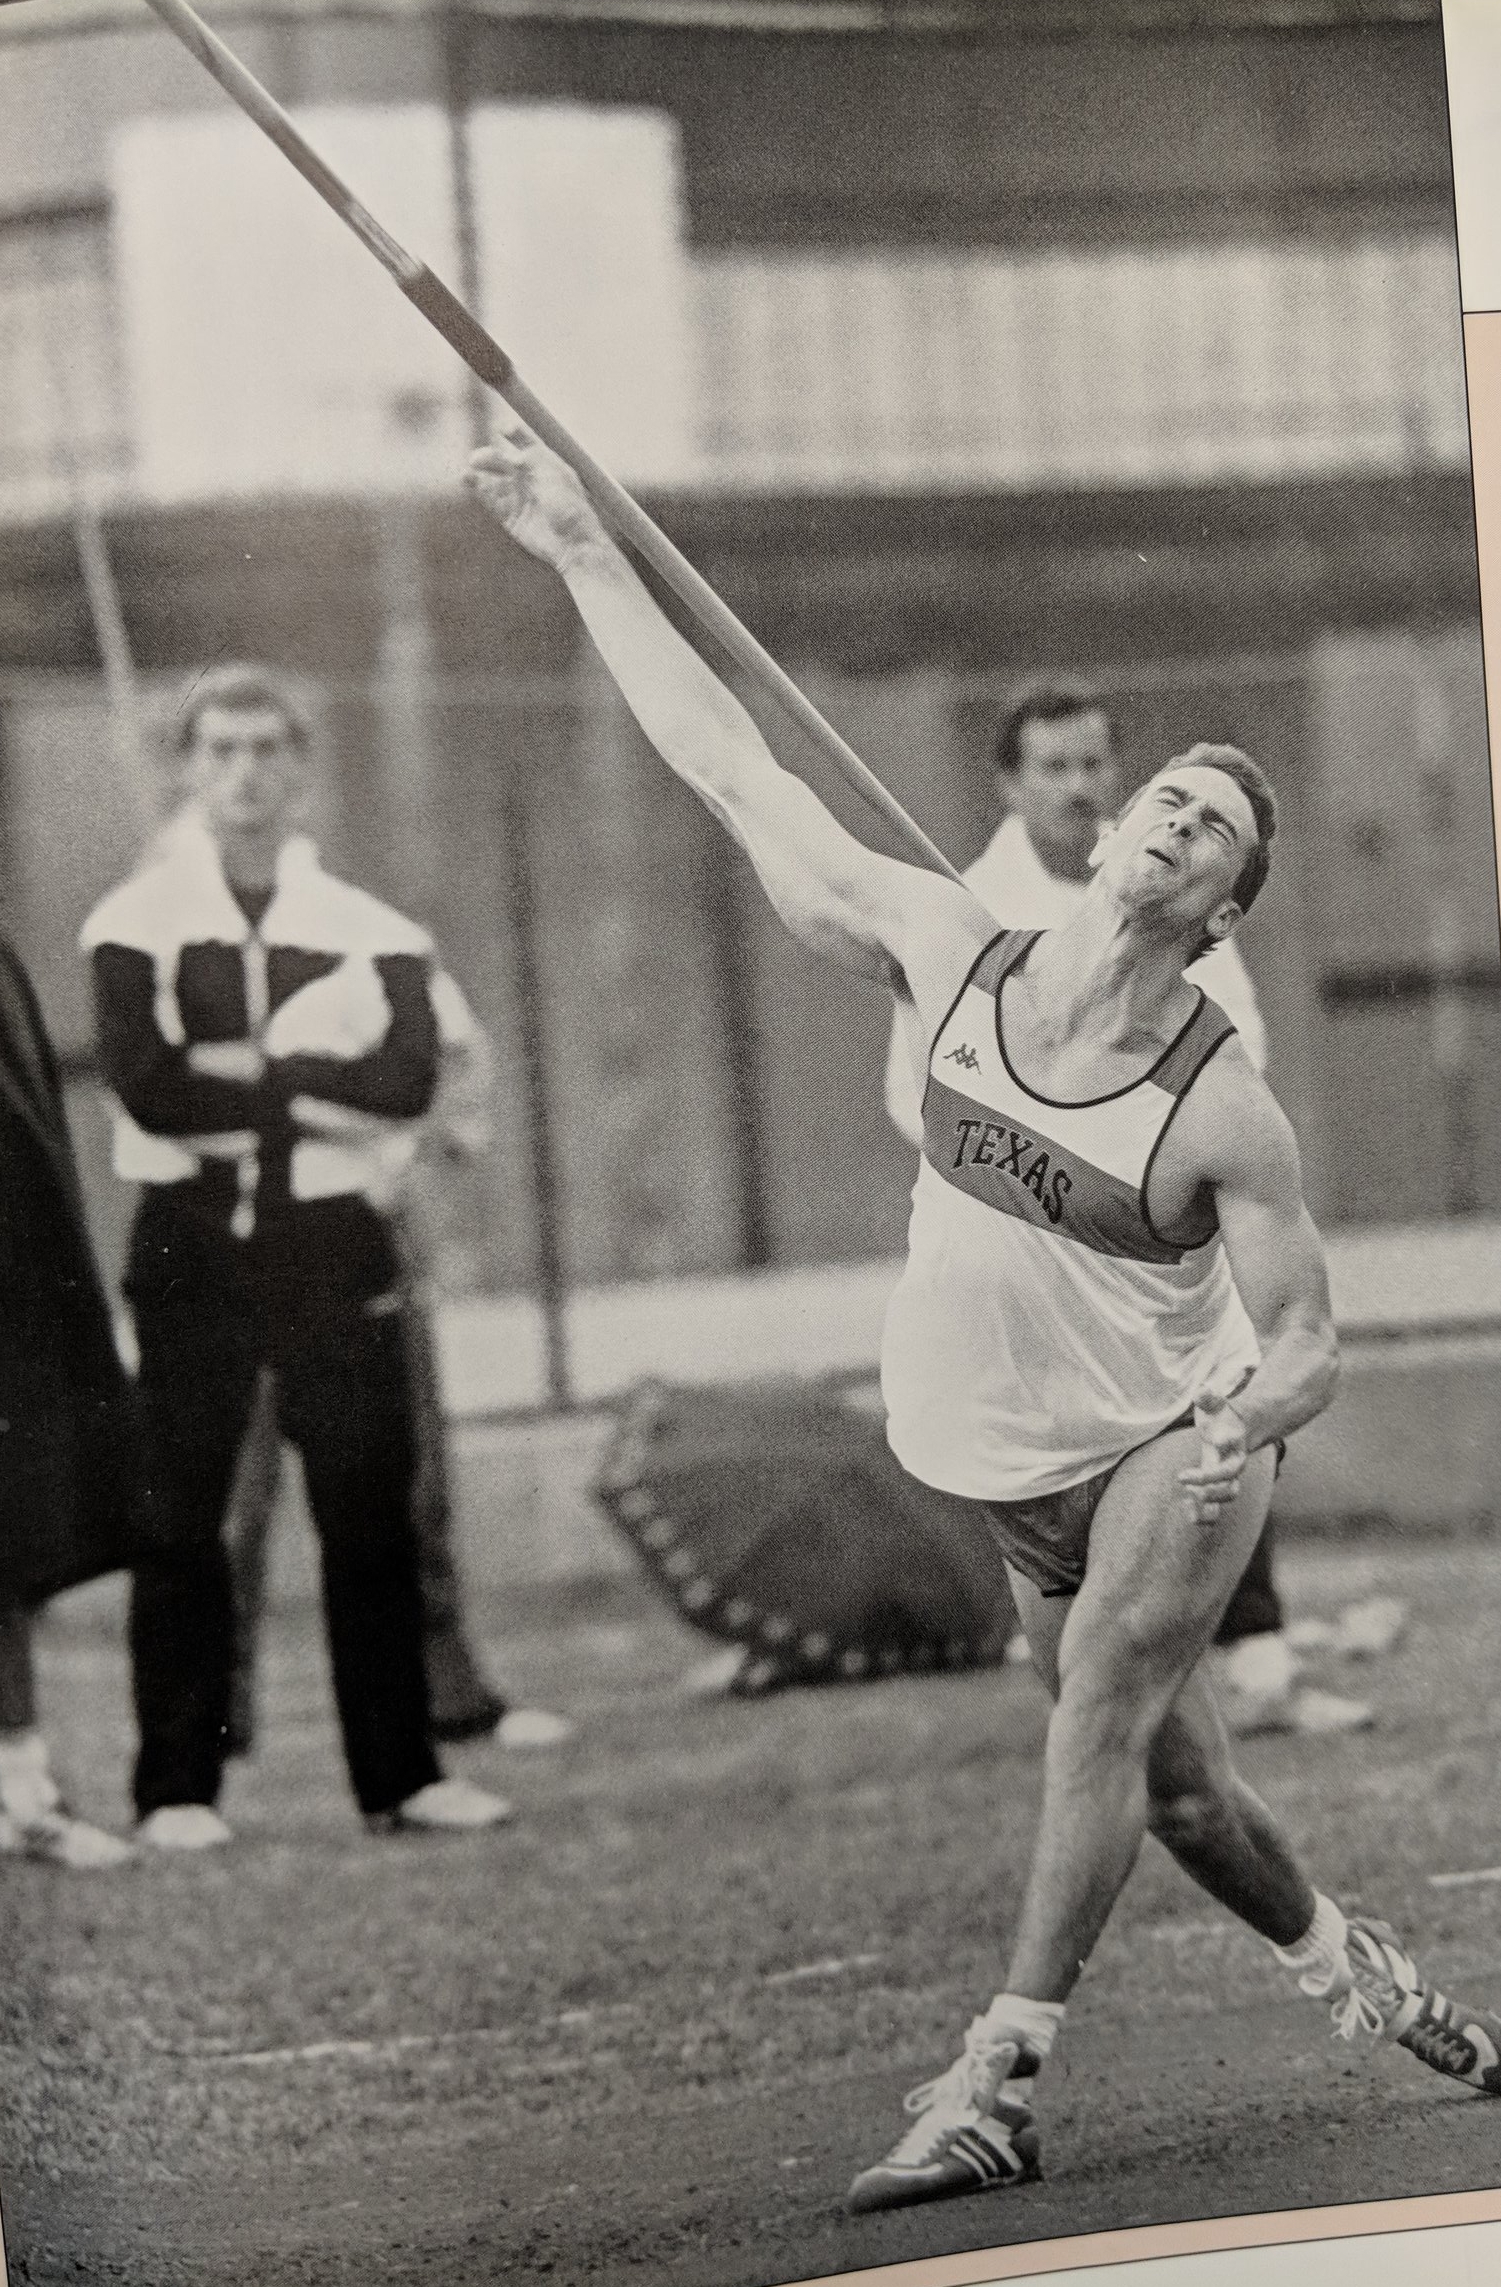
1054,699
1232,762
242,687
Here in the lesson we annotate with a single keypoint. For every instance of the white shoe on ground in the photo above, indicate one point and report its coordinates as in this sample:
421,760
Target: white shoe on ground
1370,1629
184,1826
521,1728
1379,1989
59,1839
447,1806
969,2134
736,1673
714,1677
1258,1691
1309,1713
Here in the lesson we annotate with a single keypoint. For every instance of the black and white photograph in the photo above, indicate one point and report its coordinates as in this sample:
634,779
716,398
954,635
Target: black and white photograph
750,1093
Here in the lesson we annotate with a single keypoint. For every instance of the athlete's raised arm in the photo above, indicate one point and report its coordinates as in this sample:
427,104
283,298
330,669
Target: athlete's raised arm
1243,1145
876,915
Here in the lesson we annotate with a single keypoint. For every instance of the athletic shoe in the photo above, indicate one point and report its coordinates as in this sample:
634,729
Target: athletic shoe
1316,1714
1369,1630
738,1673
967,2136
184,1826
715,1677
1304,1711
1389,1996
448,1806
59,1839
522,1728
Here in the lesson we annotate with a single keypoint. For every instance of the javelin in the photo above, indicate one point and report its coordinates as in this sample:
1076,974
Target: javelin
485,358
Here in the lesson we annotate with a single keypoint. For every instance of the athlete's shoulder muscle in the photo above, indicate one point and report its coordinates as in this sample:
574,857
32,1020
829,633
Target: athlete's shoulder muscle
940,929
1232,1134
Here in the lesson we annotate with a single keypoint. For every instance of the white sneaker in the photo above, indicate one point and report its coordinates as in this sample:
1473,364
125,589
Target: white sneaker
1309,1713
184,1826
59,1839
1364,1631
524,1727
971,2133
735,1673
1257,1686
447,1806
714,1677
1371,1629
1317,1714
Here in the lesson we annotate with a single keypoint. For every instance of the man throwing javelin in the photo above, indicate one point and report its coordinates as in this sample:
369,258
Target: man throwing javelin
1113,1311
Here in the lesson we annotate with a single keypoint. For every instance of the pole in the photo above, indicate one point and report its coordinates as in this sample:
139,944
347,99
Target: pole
489,362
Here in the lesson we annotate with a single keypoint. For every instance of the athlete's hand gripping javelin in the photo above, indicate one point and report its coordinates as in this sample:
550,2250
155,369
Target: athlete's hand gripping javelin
885,919
536,496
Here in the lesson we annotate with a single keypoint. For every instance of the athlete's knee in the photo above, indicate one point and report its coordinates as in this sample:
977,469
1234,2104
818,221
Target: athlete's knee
1103,1711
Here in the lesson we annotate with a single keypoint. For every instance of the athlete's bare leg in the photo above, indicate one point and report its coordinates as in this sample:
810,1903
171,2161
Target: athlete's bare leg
1121,1755
1219,1829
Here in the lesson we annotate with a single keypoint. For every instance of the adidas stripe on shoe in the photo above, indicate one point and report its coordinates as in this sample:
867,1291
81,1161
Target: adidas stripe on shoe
967,2136
1389,1996
943,2158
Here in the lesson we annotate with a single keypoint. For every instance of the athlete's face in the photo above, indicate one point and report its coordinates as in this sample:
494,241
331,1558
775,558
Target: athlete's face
245,771
1177,849
1066,783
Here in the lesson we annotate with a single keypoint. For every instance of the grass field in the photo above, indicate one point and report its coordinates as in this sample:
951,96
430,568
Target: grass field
649,2032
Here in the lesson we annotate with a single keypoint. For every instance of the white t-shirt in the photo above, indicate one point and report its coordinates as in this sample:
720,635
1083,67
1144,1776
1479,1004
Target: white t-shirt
1010,878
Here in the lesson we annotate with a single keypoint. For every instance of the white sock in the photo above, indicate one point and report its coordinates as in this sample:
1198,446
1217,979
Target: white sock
1038,2023
1318,1957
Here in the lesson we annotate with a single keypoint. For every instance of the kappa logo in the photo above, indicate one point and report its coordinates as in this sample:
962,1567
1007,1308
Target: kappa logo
964,1056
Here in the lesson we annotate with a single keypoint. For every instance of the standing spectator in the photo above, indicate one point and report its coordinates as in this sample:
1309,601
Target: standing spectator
463,1704
67,1480
262,1024
1059,778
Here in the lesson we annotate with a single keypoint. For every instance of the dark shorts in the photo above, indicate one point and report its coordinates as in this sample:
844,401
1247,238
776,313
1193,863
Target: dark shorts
1047,1539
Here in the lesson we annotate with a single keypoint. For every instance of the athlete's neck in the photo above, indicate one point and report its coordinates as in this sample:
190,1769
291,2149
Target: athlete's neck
1109,976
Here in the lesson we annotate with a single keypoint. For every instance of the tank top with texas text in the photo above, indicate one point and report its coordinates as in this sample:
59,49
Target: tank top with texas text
1042,1326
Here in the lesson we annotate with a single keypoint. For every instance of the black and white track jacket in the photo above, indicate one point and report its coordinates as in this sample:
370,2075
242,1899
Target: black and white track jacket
334,987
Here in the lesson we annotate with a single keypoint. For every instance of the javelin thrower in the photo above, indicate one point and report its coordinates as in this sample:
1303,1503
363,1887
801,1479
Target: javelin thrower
1113,1312
1114,1307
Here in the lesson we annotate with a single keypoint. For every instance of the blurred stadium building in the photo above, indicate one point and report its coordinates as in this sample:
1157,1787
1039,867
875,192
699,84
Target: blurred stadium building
952,341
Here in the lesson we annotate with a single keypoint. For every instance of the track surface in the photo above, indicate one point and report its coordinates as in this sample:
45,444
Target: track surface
649,2032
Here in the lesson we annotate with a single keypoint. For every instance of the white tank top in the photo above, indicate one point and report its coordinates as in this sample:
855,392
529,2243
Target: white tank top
1042,1327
